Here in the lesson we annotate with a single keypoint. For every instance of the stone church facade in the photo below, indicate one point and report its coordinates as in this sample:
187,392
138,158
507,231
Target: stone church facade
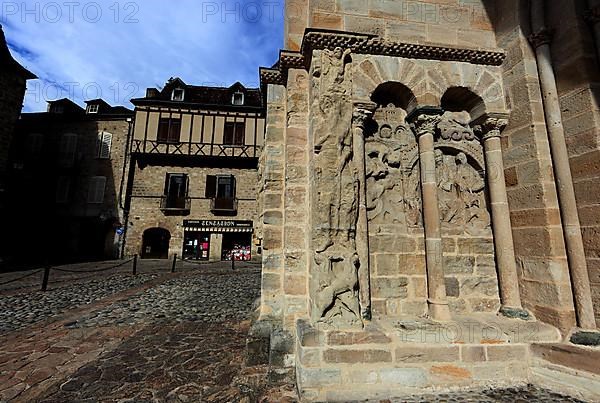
430,167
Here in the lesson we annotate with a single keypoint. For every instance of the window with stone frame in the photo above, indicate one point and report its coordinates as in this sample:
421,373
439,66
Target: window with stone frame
96,190
234,134
176,190
103,145
169,130
221,189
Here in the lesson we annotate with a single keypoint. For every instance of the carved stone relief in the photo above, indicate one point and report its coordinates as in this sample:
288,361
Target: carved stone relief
460,176
336,193
393,178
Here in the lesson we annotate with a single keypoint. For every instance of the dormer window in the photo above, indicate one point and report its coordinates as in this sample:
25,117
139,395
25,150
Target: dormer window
57,109
238,98
94,108
178,94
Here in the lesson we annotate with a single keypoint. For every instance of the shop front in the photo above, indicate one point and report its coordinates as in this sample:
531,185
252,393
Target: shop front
212,240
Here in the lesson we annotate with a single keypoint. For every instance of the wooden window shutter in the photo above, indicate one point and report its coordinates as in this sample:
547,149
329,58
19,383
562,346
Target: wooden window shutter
211,187
104,145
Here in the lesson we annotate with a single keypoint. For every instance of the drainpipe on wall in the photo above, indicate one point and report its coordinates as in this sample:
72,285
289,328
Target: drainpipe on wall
540,40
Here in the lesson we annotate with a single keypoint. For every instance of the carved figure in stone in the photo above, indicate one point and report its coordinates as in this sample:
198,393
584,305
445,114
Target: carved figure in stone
337,299
335,208
455,126
394,195
461,194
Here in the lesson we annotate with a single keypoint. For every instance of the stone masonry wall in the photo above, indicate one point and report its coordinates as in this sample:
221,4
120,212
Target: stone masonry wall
148,187
273,183
447,22
539,244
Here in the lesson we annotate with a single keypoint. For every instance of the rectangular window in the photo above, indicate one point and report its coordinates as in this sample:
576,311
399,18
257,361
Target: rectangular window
238,99
222,190
176,191
96,190
93,108
103,145
63,188
67,149
235,134
169,130
178,94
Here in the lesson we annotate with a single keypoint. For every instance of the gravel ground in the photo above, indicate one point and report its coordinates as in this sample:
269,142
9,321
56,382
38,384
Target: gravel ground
210,297
18,311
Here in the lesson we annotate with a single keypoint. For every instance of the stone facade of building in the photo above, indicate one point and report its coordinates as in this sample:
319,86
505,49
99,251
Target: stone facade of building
13,81
194,173
67,182
428,165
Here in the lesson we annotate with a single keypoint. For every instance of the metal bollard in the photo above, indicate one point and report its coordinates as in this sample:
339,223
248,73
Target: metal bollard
174,263
45,279
135,258
232,262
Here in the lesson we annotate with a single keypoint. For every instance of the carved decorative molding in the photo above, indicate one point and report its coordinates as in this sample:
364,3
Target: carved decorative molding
543,37
424,124
362,114
491,127
593,15
373,45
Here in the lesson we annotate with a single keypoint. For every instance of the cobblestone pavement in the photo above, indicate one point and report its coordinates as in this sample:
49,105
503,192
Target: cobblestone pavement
156,337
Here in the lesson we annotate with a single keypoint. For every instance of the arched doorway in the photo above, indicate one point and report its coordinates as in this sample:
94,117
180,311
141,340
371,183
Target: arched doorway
155,243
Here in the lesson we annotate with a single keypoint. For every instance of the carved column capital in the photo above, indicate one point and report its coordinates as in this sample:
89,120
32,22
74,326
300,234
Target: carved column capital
542,37
360,117
491,127
362,113
593,15
425,124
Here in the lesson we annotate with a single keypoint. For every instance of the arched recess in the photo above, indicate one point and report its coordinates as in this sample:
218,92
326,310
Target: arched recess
155,243
394,93
462,99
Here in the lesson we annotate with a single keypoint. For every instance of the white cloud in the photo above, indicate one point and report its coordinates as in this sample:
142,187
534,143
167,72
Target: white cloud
145,43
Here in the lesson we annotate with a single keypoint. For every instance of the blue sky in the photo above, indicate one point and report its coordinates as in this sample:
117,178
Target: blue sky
115,49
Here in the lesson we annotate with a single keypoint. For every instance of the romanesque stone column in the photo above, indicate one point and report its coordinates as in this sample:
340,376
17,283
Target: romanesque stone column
503,238
424,126
362,114
540,40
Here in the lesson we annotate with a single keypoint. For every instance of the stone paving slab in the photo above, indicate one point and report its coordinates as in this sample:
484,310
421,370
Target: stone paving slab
168,338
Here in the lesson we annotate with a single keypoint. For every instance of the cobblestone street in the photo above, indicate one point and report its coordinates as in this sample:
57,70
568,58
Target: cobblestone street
154,337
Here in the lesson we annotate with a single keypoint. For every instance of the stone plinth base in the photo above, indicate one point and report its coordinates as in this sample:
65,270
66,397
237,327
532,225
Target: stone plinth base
396,358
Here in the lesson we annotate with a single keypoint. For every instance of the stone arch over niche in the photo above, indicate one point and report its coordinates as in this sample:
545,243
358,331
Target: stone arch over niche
429,80
155,243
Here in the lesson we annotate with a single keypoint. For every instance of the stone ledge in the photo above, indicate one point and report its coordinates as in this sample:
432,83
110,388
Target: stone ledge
317,39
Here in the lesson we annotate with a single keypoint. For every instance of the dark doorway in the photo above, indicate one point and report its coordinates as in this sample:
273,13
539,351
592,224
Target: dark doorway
155,244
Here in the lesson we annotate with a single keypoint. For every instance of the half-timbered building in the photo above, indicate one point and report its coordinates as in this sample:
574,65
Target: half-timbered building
194,171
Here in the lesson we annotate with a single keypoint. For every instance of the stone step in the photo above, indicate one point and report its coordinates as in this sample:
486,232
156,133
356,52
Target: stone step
406,356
